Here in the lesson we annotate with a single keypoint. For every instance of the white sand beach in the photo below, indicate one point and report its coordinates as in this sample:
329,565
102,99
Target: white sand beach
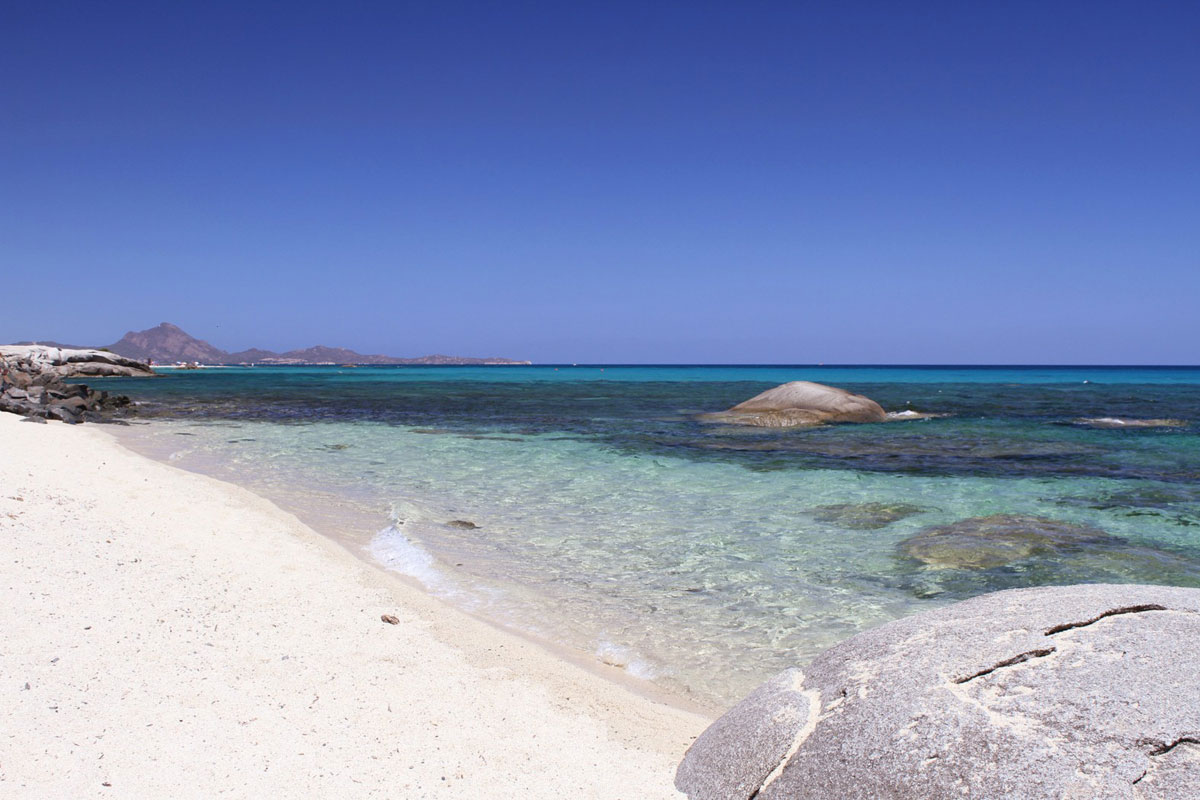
169,635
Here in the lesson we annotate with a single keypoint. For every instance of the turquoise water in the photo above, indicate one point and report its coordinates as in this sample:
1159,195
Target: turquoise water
589,506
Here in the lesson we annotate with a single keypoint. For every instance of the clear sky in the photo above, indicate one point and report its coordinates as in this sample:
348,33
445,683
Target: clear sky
787,182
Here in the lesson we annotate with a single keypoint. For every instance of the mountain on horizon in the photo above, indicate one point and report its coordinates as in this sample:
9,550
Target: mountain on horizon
167,343
50,343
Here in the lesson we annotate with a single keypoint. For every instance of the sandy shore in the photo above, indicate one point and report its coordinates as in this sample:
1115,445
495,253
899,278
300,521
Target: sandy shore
170,635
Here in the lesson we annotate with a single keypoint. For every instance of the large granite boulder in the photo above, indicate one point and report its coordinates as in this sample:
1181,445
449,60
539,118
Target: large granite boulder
801,403
67,363
1088,691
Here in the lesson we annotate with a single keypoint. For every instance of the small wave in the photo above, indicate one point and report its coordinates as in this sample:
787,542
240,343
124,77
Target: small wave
396,551
402,512
1120,422
909,414
621,657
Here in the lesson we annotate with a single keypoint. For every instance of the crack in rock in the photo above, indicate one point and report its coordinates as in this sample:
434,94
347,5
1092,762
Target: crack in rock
1066,626
1163,748
810,725
1008,662
911,709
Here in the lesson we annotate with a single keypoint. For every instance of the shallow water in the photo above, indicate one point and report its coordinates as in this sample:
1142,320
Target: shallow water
703,557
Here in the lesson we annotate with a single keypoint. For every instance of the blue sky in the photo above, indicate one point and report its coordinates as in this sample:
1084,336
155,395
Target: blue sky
615,182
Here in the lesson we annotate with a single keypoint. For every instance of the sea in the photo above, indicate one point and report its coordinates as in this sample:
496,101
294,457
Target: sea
591,507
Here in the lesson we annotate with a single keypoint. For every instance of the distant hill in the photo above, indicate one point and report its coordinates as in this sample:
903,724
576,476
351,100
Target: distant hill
335,355
60,345
167,344
251,356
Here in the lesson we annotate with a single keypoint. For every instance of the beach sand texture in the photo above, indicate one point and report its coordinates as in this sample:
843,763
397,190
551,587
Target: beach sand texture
169,635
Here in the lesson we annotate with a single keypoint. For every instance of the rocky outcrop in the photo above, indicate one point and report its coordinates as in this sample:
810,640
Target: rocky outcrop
32,383
44,359
801,403
1072,691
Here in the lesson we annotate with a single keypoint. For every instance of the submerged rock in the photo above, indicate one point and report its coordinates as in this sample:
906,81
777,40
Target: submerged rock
895,447
997,540
864,516
483,437
1176,505
1008,551
801,403
1136,497
1118,561
1073,691
464,524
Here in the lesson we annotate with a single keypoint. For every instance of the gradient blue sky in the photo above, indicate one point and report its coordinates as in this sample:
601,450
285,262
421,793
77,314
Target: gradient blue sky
620,182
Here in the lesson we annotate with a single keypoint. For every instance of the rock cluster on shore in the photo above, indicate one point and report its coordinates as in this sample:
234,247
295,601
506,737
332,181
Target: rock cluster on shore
32,382
1068,691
